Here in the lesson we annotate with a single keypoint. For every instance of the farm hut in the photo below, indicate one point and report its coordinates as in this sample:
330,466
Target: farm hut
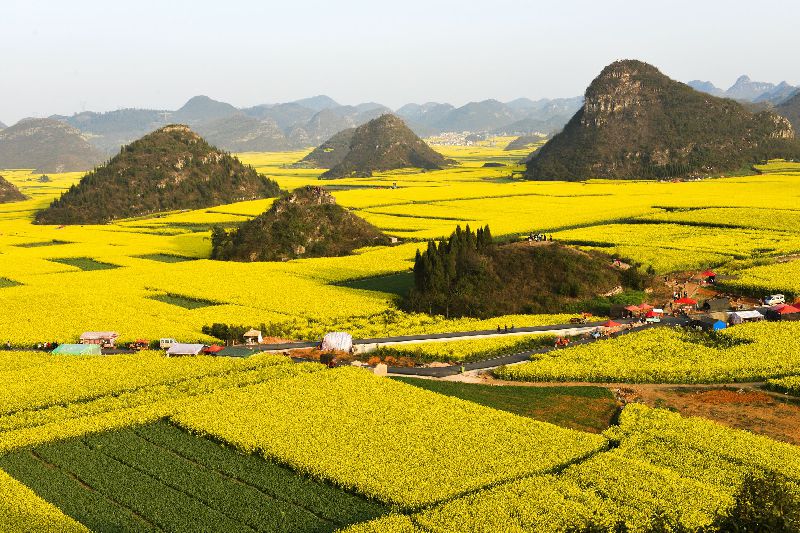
783,312
716,304
77,349
104,339
253,337
740,317
337,341
707,323
179,349
238,351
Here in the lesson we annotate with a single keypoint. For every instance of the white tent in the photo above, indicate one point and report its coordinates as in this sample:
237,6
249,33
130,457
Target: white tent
738,317
337,341
185,349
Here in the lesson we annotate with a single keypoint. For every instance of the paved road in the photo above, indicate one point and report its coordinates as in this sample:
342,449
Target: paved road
460,335
441,372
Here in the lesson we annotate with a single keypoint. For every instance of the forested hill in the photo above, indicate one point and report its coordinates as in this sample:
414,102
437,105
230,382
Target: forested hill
304,223
638,123
385,143
9,193
471,275
171,168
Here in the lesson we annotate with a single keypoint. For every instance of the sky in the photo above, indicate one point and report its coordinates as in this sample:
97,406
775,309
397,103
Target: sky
60,57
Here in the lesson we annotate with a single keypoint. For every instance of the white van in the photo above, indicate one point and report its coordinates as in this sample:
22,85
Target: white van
775,299
166,343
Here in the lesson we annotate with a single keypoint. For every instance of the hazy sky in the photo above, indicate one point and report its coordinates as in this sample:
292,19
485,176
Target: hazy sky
65,56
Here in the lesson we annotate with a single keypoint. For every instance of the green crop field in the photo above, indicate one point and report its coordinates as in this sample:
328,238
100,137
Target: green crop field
157,477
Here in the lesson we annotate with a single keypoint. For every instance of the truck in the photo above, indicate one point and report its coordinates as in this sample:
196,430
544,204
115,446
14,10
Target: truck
774,299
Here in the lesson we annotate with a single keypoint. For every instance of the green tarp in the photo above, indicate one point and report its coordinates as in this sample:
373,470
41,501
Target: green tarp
77,349
238,351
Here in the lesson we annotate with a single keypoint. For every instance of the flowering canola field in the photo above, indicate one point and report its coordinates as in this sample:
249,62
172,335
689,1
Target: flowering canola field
670,226
746,353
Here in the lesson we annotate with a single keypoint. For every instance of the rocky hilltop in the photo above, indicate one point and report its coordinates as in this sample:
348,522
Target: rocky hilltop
9,192
304,223
171,168
638,123
46,145
385,143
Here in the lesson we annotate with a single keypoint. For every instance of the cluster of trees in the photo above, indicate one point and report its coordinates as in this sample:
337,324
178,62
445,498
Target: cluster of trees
450,276
469,274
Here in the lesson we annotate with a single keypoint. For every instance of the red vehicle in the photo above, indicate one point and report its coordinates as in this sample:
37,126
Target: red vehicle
139,345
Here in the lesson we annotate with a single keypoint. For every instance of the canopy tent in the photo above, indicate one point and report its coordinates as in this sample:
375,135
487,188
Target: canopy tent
610,324
652,314
633,308
785,309
77,349
185,349
645,307
686,301
214,348
337,341
709,274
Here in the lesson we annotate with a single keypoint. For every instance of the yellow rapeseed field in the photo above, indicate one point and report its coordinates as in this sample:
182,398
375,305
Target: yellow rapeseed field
50,292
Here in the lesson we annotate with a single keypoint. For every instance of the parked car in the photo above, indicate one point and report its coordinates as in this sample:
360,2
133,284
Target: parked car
775,299
166,343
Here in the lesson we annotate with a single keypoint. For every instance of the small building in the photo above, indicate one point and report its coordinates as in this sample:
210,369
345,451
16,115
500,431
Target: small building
707,323
179,349
104,339
715,305
253,337
77,349
741,317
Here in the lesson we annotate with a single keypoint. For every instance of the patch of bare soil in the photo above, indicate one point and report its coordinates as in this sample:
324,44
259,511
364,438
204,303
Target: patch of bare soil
769,414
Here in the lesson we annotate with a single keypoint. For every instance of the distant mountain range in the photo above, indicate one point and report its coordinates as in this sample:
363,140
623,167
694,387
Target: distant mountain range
748,90
311,121
46,145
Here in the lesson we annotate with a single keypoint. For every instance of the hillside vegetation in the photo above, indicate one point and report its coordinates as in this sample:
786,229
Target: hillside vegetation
791,110
330,153
385,143
172,168
638,123
46,146
9,193
469,275
304,223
